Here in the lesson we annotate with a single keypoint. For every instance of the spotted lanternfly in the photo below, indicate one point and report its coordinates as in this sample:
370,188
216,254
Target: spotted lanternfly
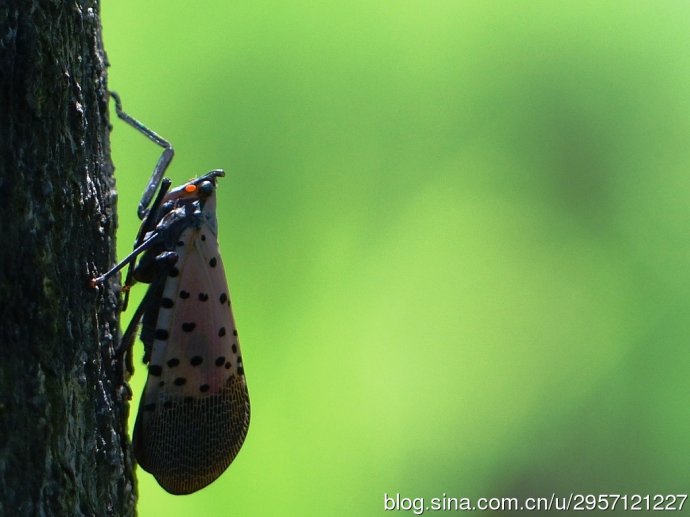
194,412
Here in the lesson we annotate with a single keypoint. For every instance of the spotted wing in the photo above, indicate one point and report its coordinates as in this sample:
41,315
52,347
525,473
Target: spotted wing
194,413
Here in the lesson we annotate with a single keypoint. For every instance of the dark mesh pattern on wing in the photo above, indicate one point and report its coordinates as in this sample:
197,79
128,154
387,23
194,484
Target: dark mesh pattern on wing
186,443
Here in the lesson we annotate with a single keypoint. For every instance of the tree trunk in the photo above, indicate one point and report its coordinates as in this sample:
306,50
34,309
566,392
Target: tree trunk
63,402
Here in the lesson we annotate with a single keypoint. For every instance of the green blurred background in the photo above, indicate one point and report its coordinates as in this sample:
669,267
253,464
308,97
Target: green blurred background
457,236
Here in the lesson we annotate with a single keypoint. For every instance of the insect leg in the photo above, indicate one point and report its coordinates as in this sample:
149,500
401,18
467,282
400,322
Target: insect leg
148,225
129,336
152,297
163,161
123,354
128,259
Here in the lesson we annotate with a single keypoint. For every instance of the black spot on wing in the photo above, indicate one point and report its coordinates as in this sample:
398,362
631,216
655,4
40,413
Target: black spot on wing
184,294
213,262
188,327
203,297
240,366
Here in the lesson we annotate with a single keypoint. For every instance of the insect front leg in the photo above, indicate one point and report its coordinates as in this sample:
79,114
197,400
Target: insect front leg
147,244
148,225
163,162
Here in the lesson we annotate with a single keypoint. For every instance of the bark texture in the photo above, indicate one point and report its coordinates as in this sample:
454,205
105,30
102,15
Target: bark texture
63,402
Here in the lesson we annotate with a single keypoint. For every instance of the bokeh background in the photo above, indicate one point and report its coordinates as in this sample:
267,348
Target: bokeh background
457,236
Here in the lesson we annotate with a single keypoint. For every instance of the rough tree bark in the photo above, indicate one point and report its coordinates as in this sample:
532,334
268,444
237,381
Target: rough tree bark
63,406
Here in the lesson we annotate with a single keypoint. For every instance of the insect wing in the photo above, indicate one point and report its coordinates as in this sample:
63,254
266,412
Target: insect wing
194,413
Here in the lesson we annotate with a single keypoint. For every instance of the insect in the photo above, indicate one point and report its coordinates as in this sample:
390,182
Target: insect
194,412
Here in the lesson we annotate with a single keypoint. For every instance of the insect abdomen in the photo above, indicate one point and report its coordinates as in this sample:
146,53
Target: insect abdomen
189,441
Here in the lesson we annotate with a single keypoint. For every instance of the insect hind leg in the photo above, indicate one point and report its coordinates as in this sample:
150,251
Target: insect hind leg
163,162
147,310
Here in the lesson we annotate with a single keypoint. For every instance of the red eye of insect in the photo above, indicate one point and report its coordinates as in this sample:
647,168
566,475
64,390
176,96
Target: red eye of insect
190,188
